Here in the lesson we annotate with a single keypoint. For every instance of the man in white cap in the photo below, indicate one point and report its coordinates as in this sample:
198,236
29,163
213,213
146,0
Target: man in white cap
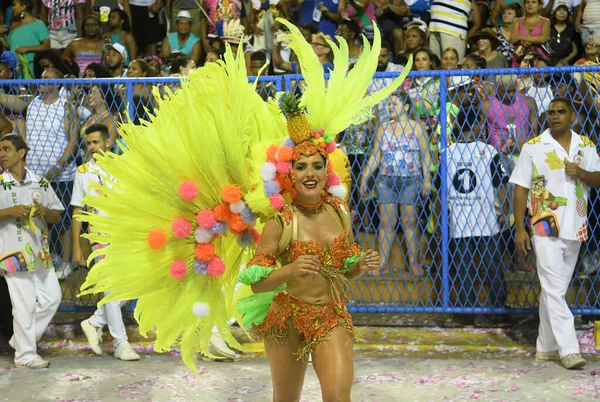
183,40
116,54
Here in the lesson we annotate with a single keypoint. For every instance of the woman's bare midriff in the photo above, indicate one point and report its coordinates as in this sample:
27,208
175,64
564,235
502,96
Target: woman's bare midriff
311,289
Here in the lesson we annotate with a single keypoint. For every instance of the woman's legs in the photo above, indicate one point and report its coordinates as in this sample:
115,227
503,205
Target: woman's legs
387,234
412,236
333,361
287,372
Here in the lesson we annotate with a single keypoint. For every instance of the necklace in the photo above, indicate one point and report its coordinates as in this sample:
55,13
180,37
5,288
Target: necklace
309,209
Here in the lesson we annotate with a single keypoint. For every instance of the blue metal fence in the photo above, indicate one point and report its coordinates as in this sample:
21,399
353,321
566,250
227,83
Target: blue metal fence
446,251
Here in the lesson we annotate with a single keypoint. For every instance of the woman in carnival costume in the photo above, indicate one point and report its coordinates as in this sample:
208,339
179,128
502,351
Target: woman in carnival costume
216,164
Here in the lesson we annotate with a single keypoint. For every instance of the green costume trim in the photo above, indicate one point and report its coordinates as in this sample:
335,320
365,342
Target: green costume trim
350,261
255,308
255,273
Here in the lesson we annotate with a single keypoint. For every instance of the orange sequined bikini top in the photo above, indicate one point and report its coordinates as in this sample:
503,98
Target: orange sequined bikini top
341,249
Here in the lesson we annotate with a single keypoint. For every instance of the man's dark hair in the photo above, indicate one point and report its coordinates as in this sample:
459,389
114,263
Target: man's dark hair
386,45
98,128
465,121
17,141
311,27
259,56
563,100
178,63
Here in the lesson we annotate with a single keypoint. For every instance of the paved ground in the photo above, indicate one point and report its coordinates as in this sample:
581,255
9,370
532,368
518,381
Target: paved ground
428,361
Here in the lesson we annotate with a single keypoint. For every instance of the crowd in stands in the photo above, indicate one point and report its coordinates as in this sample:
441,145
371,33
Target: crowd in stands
151,38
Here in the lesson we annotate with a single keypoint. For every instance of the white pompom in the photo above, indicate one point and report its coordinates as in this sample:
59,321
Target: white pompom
268,171
237,207
338,191
203,235
201,309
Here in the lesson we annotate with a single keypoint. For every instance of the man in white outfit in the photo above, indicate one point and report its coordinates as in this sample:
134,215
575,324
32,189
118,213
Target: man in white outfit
552,178
27,204
97,139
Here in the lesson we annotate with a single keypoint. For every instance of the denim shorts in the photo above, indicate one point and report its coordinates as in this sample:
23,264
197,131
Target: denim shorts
399,189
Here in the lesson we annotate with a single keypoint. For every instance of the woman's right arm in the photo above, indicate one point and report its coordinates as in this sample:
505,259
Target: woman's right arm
373,162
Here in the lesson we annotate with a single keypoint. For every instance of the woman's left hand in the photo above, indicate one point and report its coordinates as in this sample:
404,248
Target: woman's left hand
369,261
22,49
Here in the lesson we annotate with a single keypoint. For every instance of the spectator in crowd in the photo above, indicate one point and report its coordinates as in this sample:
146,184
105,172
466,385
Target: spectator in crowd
562,47
504,31
384,63
183,41
143,100
88,49
266,89
104,103
487,44
552,179
362,11
12,105
391,15
215,55
587,19
263,24
50,58
182,66
64,20
27,267
174,7
423,92
592,52
349,30
449,25
147,30
233,33
539,89
120,33
97,139
222,11
450,59
156,65
324,14
116,55
530,32
401,152
497,14
52,155
511,118
27,36
97,70
475,178
320,46
416,37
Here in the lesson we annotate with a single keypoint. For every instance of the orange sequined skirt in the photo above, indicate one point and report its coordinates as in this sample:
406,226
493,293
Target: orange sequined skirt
313,321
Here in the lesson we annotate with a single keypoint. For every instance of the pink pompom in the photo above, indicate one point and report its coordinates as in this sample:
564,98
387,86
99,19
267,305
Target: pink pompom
178,269
333,180
283,167
188,190
277,201
181,228
216,267
206,219
330,147
255,235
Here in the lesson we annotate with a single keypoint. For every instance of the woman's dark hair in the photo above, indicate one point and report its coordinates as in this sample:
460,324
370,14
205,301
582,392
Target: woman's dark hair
99,69
310,27
516,7
435,60
144,66
178,63
91,17
352,25
28,5
477,59
17,141
126,23
56,60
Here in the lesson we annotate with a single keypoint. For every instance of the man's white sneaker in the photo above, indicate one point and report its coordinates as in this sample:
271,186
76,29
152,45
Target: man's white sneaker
63,271
93,336
547,355
572,361
36,363
219,348
125,352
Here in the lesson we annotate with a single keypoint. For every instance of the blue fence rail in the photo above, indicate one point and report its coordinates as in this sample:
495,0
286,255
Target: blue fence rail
445,232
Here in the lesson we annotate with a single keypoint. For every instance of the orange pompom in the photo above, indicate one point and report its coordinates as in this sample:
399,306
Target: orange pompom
204,251
322,145
284,154
231,194
237,224
272,152
156,239
284,183
222,212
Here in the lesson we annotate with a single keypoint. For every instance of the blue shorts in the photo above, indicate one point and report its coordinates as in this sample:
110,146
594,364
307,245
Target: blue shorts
399,189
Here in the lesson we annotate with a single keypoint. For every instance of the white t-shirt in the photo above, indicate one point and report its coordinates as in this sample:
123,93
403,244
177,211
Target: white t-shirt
85,175
557,202
474,173
19,247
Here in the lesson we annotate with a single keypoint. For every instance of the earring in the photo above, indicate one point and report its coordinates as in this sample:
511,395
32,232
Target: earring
22,15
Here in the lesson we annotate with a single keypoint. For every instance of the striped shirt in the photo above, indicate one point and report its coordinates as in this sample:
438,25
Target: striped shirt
450,17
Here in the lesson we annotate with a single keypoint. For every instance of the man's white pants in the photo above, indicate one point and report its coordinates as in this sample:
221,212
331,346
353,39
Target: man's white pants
110,314
556,260
35,297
